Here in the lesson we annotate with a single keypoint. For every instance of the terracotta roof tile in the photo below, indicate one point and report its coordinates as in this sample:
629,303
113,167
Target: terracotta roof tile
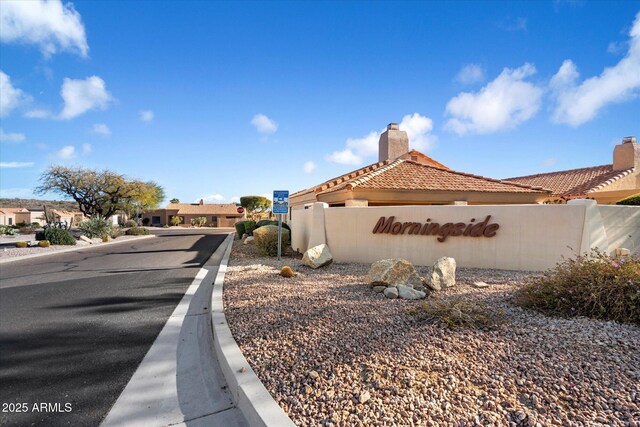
206,209
408,175
15,210
574,182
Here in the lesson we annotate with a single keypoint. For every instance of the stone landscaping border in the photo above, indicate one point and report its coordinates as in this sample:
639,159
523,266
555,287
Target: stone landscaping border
71,249
252,398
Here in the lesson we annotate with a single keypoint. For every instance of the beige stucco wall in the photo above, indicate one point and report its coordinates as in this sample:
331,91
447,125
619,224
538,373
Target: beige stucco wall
622,224
530,237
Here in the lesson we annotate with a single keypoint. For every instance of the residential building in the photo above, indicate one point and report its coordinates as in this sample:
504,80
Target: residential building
217,215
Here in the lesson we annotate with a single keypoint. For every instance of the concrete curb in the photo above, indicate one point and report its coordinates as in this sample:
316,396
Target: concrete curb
72,249
250,395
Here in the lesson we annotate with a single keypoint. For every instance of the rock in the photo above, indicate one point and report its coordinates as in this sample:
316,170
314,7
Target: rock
244,236
85,239
314,375
393,272
379,288
248,240
96,240
406,292
317,256
364,396
391,292
480,285
443,274
622,252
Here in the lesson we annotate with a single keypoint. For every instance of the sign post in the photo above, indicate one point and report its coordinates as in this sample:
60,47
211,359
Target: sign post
280,206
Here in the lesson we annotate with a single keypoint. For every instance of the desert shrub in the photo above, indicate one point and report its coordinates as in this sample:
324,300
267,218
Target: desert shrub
95,227
137,231
264,222
199,221
239,229
266,239
286,271
130,223
249,226
35,224
21,244
175,220
145,221
44,243
8,230
115,232
59,236
27,230
630,201
21,224
457,311
165,226
594,285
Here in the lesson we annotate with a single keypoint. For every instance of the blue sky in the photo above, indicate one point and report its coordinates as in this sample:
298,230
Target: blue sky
218,100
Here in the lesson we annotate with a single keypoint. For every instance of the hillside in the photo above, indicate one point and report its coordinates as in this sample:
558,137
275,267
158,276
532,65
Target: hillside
37,204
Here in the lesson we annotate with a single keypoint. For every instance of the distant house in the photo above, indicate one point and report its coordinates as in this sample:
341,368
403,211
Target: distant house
217,215
12,216
606,183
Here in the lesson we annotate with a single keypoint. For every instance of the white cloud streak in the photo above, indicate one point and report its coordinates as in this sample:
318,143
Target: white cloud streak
309,166
579,103
470,74
50,25
11,137
81,96
146,116
101,129
66,153
502,104
15,164
212,198
264,124
11,97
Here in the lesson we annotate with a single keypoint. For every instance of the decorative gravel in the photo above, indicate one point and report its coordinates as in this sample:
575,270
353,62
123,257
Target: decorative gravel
333,352
10,251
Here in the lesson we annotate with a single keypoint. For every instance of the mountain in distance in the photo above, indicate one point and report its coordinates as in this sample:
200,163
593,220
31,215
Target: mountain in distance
38,204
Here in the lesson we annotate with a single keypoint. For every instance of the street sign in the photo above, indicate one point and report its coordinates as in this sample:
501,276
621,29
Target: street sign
240,209
280,202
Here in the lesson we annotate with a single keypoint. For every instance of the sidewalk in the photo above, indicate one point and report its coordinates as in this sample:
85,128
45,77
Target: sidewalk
179,381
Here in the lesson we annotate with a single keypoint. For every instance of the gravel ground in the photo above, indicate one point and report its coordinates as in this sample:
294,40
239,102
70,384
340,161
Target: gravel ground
12,251
333,352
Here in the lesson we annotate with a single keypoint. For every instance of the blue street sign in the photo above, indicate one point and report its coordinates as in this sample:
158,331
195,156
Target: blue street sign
280,202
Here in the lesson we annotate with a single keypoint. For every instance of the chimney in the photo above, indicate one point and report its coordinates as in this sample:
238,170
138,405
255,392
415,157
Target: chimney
626,154
201,202
393,143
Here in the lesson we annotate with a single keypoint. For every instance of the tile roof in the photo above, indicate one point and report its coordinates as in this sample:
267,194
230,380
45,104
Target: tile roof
574,182
15,210
206,209
408,175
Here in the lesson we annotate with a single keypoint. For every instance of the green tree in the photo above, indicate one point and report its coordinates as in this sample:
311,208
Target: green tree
99,194
174,200
255,204
175,220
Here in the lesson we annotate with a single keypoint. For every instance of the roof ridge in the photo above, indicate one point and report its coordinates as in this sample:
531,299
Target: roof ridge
515,184
611,180
560,171
375,173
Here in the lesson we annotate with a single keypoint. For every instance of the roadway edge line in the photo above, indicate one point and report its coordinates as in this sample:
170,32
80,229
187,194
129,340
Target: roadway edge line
252,398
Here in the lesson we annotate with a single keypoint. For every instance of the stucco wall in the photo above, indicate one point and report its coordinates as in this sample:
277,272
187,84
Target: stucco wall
530,237
622,225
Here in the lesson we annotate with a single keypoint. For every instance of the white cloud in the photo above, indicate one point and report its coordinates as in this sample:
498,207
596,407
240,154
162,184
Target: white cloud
418,130
470,73
264,124
502,104
81,96
514,24
11,137
234,199
16,164
146,116
212,198
578,103
50,25
66,153
12,97
38,114
309,166
101,128
86,149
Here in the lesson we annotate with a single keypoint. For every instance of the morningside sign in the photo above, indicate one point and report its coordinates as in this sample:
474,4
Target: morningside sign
471,229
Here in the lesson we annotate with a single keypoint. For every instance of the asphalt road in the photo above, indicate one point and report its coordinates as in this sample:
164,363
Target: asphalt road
75,326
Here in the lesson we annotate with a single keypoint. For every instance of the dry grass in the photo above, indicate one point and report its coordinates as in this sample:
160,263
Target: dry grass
458,311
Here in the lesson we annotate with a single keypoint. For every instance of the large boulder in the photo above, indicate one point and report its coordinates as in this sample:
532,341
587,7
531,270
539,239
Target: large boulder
406,292
443,274
317,256
393,272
